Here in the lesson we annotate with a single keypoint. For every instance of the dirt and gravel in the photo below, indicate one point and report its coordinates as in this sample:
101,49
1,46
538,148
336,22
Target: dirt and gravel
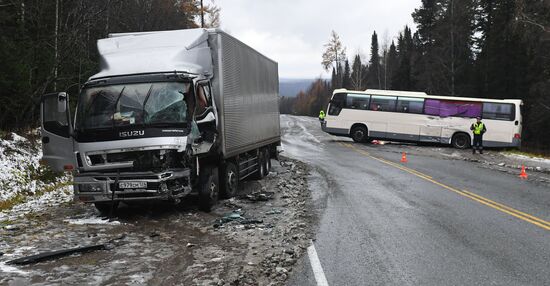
253,239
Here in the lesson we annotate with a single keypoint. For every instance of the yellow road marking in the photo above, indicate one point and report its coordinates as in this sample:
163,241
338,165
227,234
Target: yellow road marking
475,197
510,209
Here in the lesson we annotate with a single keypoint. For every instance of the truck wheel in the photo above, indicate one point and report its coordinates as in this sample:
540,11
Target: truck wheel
260,173
267,162
229,180
104,208
461,141
359,134
208,189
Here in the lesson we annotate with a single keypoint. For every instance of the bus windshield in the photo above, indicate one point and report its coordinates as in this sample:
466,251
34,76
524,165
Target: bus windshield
148,104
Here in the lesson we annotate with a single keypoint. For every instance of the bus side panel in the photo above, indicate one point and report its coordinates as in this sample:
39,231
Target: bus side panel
430,129
404,126
499,133
376,122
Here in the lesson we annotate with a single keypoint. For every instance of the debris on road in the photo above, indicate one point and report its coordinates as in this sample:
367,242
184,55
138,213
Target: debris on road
274,212
268,226
235,216
51,255
260,196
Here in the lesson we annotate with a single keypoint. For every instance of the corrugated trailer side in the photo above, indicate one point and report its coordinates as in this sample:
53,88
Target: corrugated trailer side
246,87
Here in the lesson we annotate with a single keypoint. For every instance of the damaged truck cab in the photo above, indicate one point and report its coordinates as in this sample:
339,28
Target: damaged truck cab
170,114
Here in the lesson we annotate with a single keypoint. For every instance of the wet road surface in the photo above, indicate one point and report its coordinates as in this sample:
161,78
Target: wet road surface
432,221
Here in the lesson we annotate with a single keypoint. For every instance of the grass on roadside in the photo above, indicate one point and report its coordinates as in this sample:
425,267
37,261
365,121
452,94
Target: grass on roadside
21,198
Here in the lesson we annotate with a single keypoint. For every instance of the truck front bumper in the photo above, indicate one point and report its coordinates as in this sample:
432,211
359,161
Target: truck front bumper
101,187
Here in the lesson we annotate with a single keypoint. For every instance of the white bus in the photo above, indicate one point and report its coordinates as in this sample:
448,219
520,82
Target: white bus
418,117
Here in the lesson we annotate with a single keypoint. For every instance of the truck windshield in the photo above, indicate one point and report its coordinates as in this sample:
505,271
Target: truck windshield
148,104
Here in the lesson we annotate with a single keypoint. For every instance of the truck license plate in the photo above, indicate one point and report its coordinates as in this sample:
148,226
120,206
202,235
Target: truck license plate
132,185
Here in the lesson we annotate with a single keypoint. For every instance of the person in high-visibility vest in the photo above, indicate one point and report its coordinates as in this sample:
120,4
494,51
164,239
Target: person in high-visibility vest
322,116
478,129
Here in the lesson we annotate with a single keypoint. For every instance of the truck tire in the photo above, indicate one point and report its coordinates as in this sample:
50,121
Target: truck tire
104,208
260,173
359,134
208,188
461,141
229,180
267,162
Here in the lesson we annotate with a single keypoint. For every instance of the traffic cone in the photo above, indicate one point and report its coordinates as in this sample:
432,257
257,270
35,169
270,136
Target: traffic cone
404,158
523,174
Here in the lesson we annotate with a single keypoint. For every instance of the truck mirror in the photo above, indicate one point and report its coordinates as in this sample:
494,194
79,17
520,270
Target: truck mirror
62,102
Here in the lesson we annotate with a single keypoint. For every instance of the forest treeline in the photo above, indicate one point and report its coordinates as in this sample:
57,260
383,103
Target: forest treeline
50,45
471,48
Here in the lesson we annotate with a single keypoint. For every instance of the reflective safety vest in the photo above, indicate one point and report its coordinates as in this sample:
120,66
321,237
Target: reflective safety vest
322,115
478,128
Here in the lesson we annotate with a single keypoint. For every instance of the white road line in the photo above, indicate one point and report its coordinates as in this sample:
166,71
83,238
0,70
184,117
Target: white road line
316,266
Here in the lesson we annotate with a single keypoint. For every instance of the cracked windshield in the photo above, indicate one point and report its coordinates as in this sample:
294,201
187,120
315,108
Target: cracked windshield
133,104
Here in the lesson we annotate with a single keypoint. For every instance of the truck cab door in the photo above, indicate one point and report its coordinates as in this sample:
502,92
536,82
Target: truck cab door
57,142
204,118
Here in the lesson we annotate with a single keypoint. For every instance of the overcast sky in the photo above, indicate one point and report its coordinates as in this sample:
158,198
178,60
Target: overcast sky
293,32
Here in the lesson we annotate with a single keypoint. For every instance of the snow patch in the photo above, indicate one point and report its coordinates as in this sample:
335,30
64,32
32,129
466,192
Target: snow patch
36,204
10,269
91,220
22,175
527,158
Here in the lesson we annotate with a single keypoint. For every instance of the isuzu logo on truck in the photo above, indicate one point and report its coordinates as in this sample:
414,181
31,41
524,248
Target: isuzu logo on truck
134,133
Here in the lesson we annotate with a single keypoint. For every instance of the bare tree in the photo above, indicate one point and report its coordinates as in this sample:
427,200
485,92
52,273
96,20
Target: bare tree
213,15
530,18
335,53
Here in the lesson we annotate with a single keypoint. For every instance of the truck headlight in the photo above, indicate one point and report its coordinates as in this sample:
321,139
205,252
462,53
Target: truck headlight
163,188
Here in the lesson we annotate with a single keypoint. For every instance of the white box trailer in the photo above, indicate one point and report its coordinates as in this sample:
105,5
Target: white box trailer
169,114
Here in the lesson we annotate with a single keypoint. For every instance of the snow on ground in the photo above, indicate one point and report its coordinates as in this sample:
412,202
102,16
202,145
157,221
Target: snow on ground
21,175
17,156
35,204
91,220
527,158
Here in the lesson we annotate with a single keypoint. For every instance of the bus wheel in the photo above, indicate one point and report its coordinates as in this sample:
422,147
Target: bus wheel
461,141
359,134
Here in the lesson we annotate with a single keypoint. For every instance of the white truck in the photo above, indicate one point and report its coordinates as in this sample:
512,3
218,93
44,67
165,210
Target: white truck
170,114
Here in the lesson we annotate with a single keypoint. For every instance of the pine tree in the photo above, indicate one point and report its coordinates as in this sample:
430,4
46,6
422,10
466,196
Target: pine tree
402,78
392,64
346,77
445,40
374,79
358,74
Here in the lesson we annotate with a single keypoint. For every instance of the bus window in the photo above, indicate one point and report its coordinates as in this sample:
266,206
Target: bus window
410,105
337,103
432,107
383,103
357,101
450,108
499,111
459,109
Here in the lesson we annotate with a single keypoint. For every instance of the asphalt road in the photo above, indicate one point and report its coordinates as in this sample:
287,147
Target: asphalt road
431,221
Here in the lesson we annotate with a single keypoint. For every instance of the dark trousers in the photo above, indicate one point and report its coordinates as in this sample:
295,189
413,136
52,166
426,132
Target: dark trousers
478,142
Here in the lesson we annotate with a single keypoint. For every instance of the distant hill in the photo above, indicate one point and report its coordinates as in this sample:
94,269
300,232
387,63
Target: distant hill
291,87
